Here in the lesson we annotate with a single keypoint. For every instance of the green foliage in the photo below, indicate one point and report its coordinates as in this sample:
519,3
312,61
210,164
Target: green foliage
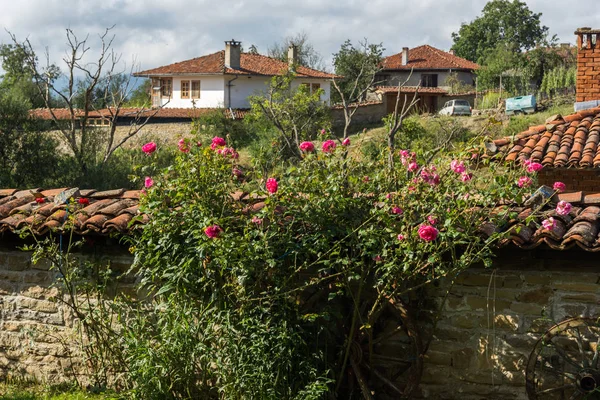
501,21
218,123
456,84
357,66
140,96
558,80
306,54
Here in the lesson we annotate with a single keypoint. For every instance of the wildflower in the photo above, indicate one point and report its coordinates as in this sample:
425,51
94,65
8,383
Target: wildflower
559,186
524,181
213,231
563,207
428,233
329,146
388,196
401,237
397,210
307,147
323,131
413,166
549,224
458,166
148,182
257,221
149,148
346,142
83,201
534,167
183,145
217,142
237,172
465,177
272,185
40,200
432,220
377,258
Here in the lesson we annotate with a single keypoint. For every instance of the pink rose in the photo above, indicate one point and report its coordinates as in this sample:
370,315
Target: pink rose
563,208
377,259
534,167
213,231
397,210
307,147
272,185
228,152
329,146
457,166
401,237
413,166
549,224
432,220
559,186
346,142
257,221
149,148
217,142
183,145
148,182
237,172
465,177
524,181
323,131
428,233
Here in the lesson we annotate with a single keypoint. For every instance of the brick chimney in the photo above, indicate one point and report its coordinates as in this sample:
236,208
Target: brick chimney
588,68
451,51
233,52
292,55
404,55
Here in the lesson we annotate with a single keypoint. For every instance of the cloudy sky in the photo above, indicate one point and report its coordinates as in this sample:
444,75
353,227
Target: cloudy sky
159,32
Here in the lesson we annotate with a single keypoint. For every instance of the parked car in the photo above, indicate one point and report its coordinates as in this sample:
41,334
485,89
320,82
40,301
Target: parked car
456,107
520,105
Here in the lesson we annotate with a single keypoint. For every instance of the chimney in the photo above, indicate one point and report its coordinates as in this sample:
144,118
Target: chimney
404,55
588,68
451,51
232,54
292,55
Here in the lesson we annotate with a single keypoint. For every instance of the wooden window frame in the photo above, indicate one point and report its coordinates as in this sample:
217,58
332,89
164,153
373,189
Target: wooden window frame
166,87
431,81
185,93
197,81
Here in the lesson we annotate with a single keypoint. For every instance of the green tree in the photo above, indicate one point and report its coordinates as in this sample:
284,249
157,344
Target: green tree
502,21
307,56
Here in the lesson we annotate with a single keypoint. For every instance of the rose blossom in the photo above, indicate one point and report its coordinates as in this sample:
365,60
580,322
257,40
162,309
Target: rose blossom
272,185
534,167
457,166
549,223
346,142
428,233
329,146
213,231
307,147
323,131
432,220
401,237
83,201
559,186
465,177
40,200
217,142
183,145
149,148
413,166
237,172
377,259
397,210
148,182
563,208
257,220
524,181
406,157
228,152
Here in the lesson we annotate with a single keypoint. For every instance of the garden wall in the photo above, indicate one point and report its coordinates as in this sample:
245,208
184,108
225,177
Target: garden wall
38,333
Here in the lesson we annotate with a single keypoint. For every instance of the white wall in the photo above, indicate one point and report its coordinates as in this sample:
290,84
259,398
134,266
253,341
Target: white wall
244,86
212,93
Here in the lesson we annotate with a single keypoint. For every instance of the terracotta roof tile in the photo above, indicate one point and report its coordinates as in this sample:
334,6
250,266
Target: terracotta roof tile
250,64
428,57
572,141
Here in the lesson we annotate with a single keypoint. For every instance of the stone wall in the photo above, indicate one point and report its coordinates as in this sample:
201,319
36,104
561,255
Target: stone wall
38,332
366,114
493,317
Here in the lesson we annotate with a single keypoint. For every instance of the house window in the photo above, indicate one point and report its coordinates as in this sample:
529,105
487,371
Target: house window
185,89
429,80
311,87
166,86
195,89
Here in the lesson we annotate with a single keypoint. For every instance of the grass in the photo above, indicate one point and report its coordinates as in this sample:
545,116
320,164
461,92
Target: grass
30,391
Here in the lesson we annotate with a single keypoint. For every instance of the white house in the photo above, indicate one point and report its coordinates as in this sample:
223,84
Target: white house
226,79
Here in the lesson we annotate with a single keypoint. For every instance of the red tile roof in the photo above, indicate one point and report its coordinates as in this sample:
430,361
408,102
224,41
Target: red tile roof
250,64
427,57
572,141
64,113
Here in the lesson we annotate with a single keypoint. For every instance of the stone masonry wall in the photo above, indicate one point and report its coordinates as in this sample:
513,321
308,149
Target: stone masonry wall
38,333
493,317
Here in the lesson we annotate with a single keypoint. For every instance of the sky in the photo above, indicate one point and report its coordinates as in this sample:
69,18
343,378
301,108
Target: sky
151,33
